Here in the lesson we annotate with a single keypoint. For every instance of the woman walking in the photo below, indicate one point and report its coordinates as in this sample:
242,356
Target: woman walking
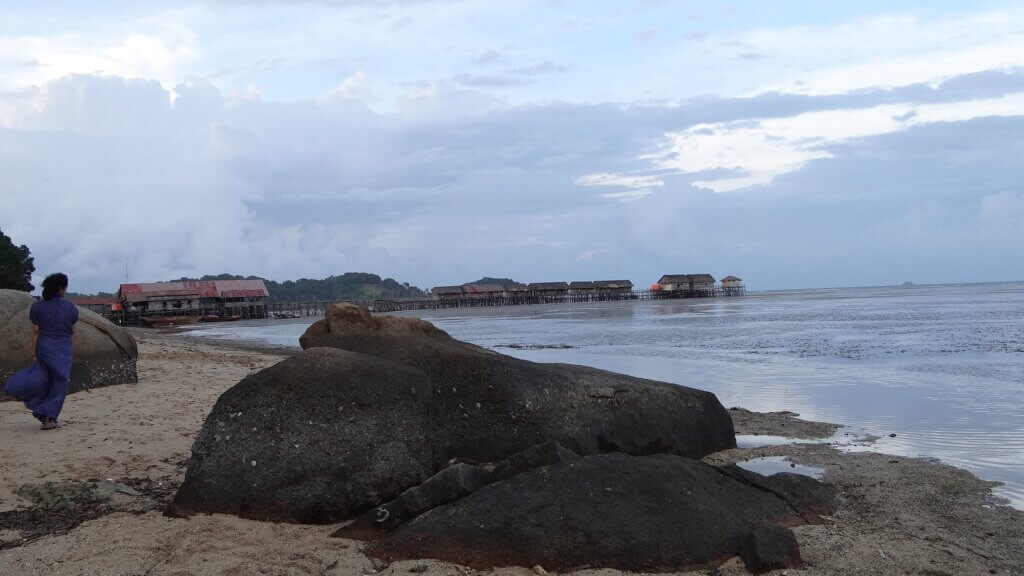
53,320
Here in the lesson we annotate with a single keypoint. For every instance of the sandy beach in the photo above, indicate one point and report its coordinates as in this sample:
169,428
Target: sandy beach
105,477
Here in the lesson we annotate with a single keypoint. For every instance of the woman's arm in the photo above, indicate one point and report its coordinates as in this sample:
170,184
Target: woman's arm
35,336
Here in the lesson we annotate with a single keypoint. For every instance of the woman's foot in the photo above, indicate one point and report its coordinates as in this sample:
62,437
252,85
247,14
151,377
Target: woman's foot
50,424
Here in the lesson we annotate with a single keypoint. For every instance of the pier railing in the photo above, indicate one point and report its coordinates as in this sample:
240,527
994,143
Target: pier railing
316,308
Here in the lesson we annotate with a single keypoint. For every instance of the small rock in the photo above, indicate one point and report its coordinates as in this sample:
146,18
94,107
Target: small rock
770,547
539,570
253,462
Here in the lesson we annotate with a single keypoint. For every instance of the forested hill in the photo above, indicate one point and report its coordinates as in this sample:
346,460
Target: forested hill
348,286
491,280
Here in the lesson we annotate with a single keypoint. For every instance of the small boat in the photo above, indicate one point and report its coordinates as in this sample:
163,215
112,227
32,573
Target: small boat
217,318
158,321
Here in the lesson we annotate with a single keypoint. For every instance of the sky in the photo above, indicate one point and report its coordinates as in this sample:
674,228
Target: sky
793,144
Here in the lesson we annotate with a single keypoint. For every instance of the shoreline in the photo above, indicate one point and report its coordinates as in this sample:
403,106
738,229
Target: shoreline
899,515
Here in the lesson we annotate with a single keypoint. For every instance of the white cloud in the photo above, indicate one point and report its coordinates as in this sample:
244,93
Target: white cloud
637,186
753,152
155,48
622,180
356,86
887,51
627,195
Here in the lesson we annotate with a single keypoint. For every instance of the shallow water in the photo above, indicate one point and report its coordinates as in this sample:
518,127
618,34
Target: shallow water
941,367
771,465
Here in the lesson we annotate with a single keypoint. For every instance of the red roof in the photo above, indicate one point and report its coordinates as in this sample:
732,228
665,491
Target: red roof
95,301
482,288
195,289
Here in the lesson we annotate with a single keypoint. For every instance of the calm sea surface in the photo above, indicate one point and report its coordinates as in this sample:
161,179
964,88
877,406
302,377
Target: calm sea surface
941,367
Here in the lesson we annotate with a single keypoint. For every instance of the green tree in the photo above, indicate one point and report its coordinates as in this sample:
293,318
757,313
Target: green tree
16,265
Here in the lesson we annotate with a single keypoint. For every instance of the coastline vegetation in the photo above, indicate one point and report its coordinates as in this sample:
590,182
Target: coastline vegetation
347,286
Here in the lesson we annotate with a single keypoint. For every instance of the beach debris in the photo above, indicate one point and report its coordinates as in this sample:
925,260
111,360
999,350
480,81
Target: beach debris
60,506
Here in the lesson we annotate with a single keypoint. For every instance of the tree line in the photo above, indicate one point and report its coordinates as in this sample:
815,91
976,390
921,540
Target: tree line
17,267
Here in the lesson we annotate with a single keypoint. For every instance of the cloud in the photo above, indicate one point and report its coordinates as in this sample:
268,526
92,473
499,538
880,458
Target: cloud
355,86
100,171
760,149
487,80
514,76
889,50
648,35
159,48
540,68
623,180
489,57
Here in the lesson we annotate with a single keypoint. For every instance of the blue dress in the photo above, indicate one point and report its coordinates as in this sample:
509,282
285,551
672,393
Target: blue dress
55,318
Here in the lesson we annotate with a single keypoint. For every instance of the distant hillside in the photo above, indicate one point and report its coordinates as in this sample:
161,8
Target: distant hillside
489,280
348,286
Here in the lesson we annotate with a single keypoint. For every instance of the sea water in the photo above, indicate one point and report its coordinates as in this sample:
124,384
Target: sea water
935,371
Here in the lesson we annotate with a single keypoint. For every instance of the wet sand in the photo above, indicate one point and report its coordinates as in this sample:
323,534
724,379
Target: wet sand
899,515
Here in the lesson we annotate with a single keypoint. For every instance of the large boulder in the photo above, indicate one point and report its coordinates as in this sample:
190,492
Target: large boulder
104,354
526,403
650,513
333,432
316,438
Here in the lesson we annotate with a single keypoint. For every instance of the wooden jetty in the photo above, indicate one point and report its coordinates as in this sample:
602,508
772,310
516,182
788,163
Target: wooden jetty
673,286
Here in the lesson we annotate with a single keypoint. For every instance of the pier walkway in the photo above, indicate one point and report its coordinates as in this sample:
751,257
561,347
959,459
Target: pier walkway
316,308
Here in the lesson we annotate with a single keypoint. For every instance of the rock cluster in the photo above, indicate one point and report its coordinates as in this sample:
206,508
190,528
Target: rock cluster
639,513
437,448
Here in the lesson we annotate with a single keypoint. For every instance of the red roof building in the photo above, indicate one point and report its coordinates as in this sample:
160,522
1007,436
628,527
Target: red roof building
231,296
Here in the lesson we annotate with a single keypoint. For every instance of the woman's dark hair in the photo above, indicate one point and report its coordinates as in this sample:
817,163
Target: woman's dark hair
53,284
